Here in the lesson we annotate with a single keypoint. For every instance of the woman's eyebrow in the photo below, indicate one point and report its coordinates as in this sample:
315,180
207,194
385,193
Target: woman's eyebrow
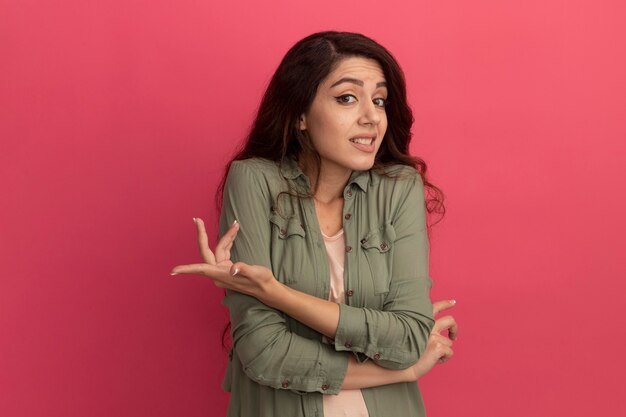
357,82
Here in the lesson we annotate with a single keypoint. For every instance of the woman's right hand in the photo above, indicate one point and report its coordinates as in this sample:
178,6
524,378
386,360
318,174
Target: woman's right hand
439,347
215,263
253,280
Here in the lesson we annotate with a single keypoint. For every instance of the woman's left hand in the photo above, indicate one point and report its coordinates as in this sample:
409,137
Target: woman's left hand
439,346
253,280
440,306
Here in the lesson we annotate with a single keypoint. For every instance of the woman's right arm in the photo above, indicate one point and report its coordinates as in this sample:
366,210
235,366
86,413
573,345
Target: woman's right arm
270,353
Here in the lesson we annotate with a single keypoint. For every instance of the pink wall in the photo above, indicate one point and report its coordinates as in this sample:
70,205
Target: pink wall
117,117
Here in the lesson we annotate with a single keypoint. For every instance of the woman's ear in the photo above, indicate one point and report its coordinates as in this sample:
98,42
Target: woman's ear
302,122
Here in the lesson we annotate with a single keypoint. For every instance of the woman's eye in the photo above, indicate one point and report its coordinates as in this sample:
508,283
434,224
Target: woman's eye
381,102
346,99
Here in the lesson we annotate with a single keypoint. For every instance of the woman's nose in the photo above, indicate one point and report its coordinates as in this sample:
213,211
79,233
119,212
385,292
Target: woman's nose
370,114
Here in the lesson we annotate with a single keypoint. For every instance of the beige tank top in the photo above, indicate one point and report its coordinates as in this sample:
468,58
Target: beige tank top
348,403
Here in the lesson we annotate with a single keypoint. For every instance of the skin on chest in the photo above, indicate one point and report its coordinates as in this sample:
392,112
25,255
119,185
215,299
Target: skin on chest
329,216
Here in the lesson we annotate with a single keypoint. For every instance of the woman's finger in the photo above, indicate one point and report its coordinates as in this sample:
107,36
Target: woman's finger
203,242
198,269
253,273
446,323
437,338
220,275
439,306
446,355
453,331
441,348
222,250
254,277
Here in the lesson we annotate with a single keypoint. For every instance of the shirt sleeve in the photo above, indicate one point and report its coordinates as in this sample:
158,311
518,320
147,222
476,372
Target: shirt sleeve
396,336
270,353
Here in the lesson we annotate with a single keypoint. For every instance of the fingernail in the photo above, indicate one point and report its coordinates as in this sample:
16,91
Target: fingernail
194,220
235,271
235,222
173,273
452,301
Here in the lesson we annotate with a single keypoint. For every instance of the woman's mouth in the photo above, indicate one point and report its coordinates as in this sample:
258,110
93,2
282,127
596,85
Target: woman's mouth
362,141
364,144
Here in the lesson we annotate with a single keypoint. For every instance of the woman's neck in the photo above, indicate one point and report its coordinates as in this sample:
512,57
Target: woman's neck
330,182
328,193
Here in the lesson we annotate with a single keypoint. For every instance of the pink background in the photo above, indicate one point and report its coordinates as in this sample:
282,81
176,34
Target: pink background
117,117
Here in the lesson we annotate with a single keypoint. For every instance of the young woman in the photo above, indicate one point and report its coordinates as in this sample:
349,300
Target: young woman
324,216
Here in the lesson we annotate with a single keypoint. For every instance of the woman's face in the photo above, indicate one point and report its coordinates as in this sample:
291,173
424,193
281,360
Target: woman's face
346,122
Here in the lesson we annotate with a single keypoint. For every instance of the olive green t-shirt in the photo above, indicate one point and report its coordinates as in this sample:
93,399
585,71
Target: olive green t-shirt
280,367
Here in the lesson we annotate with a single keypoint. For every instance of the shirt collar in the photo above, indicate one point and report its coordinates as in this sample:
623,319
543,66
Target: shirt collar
360,178
291,170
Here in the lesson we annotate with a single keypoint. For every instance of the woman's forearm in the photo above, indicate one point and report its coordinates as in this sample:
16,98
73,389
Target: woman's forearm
320,315
368,374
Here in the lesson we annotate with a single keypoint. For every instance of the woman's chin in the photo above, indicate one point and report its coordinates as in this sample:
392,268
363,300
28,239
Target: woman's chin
363,164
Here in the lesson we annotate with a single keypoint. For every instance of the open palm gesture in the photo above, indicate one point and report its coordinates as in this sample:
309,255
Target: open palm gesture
217,263
253,280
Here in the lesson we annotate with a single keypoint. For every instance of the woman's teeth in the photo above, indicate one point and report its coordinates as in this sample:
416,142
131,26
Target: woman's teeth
362,141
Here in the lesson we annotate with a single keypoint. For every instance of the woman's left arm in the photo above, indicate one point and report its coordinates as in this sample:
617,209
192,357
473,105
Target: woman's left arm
396,335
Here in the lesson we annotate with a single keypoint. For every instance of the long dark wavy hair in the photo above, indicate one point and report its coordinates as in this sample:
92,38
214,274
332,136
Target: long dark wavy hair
275,133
